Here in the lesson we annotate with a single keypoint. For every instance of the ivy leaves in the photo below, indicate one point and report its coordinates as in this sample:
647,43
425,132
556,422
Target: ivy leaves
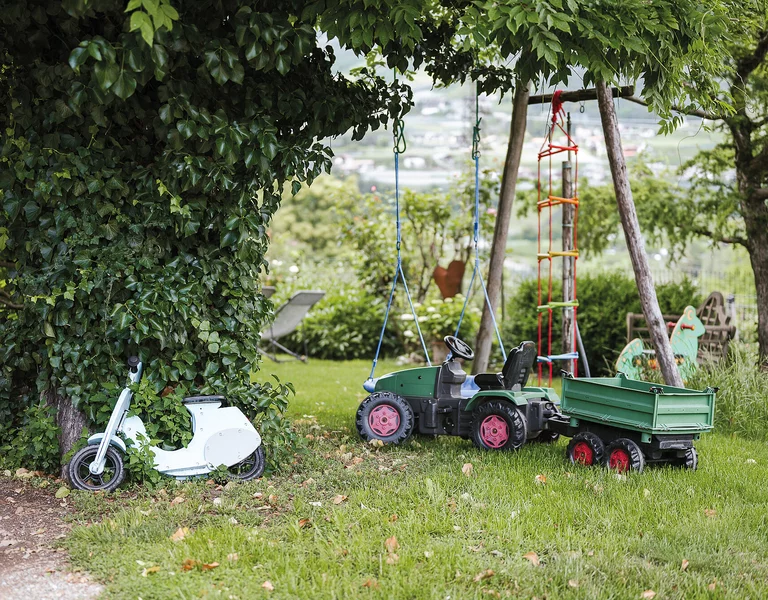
149,16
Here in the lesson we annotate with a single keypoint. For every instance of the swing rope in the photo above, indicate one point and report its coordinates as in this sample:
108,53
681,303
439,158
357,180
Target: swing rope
476,271
398,135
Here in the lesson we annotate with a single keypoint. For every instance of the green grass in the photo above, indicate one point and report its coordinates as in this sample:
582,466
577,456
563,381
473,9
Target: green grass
596,535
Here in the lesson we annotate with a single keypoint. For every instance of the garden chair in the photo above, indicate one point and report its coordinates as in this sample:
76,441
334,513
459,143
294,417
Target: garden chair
287,319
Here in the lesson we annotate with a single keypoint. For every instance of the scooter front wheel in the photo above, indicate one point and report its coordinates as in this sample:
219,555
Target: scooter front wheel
251,467
107,481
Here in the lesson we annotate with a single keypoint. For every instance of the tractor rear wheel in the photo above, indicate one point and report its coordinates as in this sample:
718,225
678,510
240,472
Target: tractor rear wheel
586,448
623,455
385,416
498,425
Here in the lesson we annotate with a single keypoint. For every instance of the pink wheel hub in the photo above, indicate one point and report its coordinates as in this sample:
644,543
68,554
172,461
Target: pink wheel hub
494,431
384,420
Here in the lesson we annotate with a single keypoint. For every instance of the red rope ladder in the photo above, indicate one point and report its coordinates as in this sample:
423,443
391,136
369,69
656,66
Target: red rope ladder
546,304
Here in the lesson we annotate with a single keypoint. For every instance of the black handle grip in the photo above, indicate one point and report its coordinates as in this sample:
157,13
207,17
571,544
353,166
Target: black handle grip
133,363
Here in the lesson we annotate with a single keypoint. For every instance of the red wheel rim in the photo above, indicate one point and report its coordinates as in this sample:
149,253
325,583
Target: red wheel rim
583,454
494,431
384,420
619,460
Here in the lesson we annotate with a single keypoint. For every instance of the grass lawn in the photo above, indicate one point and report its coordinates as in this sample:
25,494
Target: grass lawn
354,521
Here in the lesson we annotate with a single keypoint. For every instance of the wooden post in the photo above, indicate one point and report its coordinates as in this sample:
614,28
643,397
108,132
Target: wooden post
486,334
569,212
634,238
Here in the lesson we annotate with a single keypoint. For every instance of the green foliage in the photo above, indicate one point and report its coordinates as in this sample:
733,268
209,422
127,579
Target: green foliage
668,212
740,406
138,176
438,318
34,443
139,464
604,301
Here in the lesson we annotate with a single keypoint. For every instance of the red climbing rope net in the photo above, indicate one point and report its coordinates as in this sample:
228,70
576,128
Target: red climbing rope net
547,200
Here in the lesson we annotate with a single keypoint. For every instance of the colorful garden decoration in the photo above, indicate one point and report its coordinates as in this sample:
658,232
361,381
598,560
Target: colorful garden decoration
635,359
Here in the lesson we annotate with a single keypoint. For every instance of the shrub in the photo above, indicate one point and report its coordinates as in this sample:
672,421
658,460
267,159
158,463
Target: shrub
604,301
346,325
740,407
438,318
34,444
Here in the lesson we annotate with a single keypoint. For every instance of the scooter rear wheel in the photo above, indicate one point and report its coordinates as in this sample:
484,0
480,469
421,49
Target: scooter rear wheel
251,467
110,478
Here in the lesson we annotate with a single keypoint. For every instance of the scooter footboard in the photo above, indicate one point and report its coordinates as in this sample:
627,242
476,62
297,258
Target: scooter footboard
231,446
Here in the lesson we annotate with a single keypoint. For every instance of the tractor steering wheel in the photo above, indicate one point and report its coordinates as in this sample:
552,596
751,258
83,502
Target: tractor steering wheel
459,348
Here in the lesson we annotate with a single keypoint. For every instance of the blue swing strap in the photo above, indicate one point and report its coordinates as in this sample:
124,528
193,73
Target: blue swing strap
398,134
476,271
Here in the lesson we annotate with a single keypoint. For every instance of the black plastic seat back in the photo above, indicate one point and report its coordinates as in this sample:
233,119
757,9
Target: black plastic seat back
518,365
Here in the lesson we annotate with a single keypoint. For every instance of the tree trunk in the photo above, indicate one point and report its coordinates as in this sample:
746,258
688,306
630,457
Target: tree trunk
756,221
499,245
71,422
634,238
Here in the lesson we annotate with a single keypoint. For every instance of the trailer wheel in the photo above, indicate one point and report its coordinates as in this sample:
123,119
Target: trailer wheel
498,426
586,448
385,416
623,455
689,461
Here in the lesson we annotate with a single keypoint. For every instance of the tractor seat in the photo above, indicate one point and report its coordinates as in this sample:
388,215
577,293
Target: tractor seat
514,375
203,399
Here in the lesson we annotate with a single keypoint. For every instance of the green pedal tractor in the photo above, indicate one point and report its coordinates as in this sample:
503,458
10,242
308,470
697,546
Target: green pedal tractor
613,421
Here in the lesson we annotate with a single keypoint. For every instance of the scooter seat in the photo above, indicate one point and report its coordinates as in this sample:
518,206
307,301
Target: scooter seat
203,399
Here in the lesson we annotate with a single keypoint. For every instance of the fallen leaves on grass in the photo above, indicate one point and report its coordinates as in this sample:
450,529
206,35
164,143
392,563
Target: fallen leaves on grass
189,564
392,518
684,565
648,595
62,492
304,523
482,575
391,545
180,534
468,469
376,443
371,583
532,557
209,566
339,498
267,585
317,504
428,554
233,557
711,587
177,500
574,583
710,512
541,479
149,571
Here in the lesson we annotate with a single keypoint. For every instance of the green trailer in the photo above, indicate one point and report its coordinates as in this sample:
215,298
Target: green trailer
626,423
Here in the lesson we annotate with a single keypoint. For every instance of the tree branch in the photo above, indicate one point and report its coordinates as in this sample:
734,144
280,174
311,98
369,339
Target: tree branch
759,194
7,264
5,299
696,112
724,240
746,65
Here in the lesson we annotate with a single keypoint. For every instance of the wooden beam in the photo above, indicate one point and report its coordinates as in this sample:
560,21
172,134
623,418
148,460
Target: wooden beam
657,326
582,95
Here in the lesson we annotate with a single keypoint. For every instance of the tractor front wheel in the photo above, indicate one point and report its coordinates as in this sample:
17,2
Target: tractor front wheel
586,449
385,416
498,426
624,455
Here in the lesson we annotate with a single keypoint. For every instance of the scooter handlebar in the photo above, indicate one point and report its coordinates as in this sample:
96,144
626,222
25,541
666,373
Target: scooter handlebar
133,363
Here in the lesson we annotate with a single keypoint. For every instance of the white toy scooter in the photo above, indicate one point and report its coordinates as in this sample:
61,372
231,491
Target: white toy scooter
221,436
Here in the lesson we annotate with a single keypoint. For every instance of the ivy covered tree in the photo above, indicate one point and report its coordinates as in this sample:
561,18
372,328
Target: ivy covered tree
143,149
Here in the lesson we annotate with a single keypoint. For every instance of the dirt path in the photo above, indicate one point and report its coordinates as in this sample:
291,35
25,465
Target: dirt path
31,566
